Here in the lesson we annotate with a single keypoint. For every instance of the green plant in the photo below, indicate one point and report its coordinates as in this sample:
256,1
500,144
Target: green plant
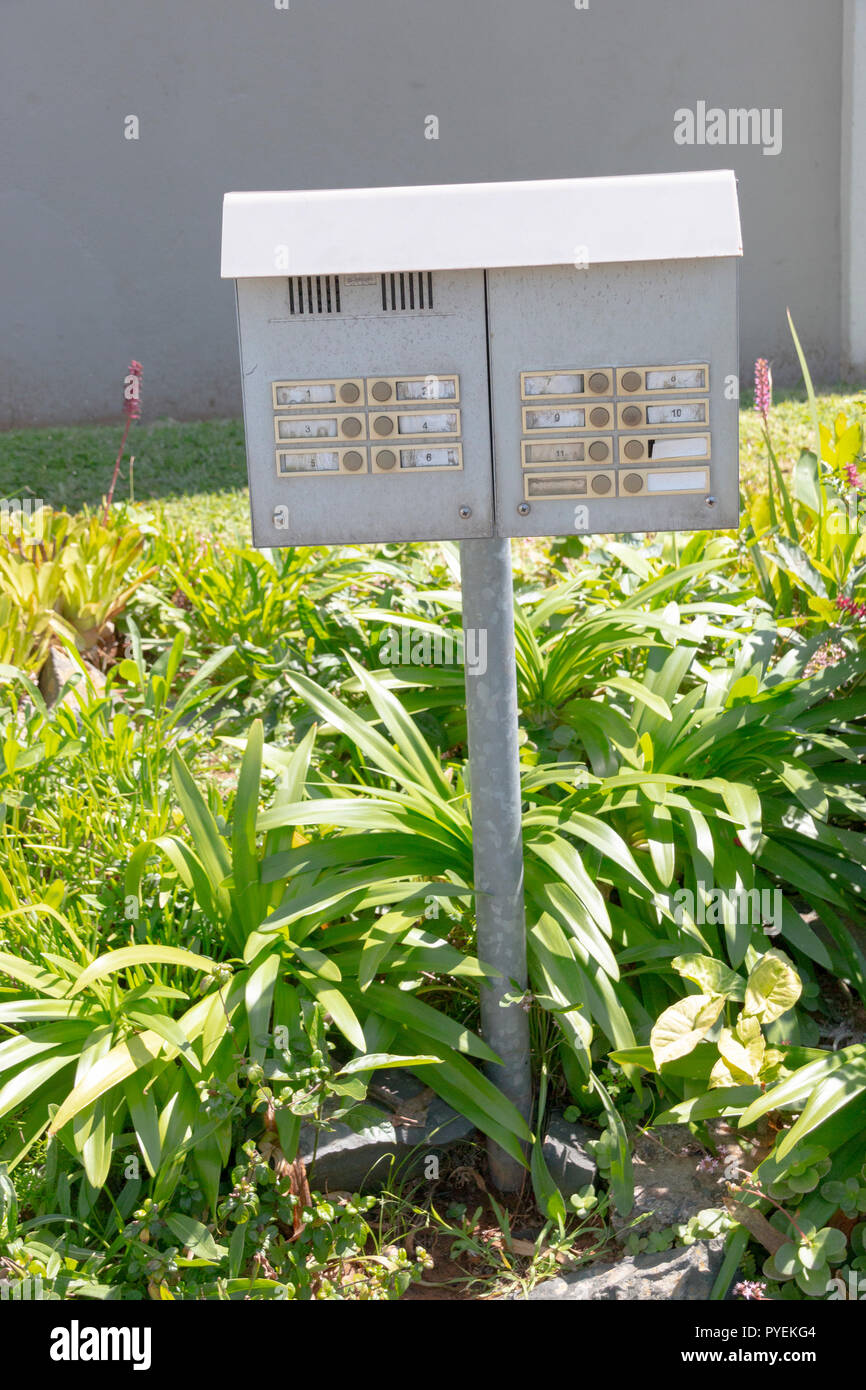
269,1242
273,608
584,1201
802,1175
708,1224
770,990
72,575
25,630
822,1094
809,550
81,784
850,1195
694,810
809,1260
119,1054
705,764
573,638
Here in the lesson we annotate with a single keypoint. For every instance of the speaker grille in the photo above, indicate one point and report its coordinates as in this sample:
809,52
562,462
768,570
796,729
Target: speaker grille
407,290
314,294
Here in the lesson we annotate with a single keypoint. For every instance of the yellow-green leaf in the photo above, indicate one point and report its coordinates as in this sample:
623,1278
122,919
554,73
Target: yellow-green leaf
134,1052
680,1028
772,988
710,975
140,955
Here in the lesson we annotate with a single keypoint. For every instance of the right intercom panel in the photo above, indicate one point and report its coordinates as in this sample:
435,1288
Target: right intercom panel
615,397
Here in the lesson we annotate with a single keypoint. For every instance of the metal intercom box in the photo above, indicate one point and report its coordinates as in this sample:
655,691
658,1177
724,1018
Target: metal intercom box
489,359
615,397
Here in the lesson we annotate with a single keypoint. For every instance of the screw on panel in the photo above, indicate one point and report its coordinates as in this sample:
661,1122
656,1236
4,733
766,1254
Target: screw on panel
710,501
523,509
464,512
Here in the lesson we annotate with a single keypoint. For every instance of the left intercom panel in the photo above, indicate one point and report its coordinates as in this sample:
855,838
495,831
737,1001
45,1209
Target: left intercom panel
366,407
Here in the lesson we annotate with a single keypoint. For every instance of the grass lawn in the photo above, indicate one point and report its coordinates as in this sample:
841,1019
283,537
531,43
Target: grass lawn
790,428
197,471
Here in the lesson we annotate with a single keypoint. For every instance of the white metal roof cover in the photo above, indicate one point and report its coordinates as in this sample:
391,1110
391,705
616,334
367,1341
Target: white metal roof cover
644,217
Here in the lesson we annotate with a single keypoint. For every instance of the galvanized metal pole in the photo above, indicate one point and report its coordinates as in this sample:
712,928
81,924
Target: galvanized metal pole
494,771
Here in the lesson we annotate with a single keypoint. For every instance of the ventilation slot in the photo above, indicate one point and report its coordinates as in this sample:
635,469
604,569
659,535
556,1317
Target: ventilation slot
314,294
407,290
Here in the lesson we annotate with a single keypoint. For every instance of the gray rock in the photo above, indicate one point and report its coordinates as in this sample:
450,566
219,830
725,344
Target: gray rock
571,1165
60,668
354,1161
669,1188
686,1274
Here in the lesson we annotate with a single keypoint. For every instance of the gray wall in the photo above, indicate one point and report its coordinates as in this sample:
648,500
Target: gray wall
111,246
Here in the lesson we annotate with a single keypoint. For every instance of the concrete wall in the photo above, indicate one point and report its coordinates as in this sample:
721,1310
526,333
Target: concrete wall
854,189
111,246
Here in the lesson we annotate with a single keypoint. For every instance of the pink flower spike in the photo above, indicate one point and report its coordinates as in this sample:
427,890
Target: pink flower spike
851,607
132,411
763,388
853,477
132,391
